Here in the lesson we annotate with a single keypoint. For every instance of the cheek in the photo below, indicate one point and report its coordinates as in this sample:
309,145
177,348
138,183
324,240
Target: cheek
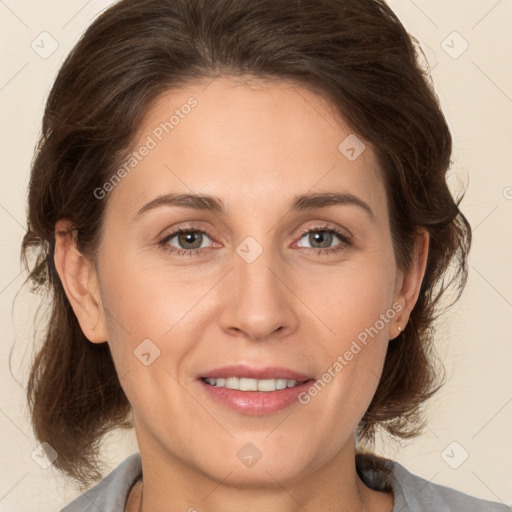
351,297
155,310
148,300
355,309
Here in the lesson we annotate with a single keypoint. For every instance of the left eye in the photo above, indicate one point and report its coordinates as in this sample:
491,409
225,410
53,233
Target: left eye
321,238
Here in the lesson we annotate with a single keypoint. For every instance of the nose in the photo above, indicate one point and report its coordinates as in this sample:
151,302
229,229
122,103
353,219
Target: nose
259,300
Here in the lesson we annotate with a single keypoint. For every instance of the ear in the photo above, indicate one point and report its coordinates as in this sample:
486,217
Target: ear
408,284
80,282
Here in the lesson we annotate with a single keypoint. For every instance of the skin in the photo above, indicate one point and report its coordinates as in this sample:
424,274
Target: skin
255,146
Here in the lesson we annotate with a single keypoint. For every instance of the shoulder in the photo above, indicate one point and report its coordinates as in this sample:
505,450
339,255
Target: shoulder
109,495
413,493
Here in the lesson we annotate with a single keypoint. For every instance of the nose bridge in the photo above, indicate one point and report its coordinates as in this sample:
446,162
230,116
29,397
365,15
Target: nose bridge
258,302
253,265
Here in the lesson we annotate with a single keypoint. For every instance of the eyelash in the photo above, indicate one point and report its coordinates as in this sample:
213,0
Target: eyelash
345,241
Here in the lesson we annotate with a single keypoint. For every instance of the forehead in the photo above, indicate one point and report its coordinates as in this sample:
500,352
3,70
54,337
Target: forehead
249,142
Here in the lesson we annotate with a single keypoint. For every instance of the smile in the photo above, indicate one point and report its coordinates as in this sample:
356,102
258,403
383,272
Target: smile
247,384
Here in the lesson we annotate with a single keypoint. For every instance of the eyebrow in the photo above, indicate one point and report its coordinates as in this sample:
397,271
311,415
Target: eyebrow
214,204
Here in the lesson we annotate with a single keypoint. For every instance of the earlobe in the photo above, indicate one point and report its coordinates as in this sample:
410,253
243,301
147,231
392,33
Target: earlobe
79,279
409,284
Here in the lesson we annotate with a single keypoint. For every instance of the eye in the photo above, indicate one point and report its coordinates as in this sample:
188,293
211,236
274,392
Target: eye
320,239
189,242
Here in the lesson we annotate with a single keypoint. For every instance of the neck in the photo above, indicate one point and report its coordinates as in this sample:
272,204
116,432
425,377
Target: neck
333,487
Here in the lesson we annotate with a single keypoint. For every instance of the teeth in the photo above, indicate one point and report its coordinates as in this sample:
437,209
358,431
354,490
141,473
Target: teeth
245,384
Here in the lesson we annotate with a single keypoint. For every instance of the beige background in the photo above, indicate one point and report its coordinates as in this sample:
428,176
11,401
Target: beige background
473,410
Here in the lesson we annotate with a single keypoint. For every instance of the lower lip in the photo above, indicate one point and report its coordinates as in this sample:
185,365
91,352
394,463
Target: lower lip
256,402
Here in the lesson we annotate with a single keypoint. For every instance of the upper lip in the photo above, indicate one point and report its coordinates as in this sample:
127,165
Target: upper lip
253,372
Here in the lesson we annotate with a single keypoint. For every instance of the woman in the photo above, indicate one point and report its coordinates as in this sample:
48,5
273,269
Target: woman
242,212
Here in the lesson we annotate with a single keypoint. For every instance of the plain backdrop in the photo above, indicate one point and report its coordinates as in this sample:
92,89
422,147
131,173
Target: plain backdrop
466,443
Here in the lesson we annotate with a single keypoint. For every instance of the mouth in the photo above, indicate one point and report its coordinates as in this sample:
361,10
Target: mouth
252,390
248,384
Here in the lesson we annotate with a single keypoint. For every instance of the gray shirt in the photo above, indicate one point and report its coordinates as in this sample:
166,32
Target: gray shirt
411,493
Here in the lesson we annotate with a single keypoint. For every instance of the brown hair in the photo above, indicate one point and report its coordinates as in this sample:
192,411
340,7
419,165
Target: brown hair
356,53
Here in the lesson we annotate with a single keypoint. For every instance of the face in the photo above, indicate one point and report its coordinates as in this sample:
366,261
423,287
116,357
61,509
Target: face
262,281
